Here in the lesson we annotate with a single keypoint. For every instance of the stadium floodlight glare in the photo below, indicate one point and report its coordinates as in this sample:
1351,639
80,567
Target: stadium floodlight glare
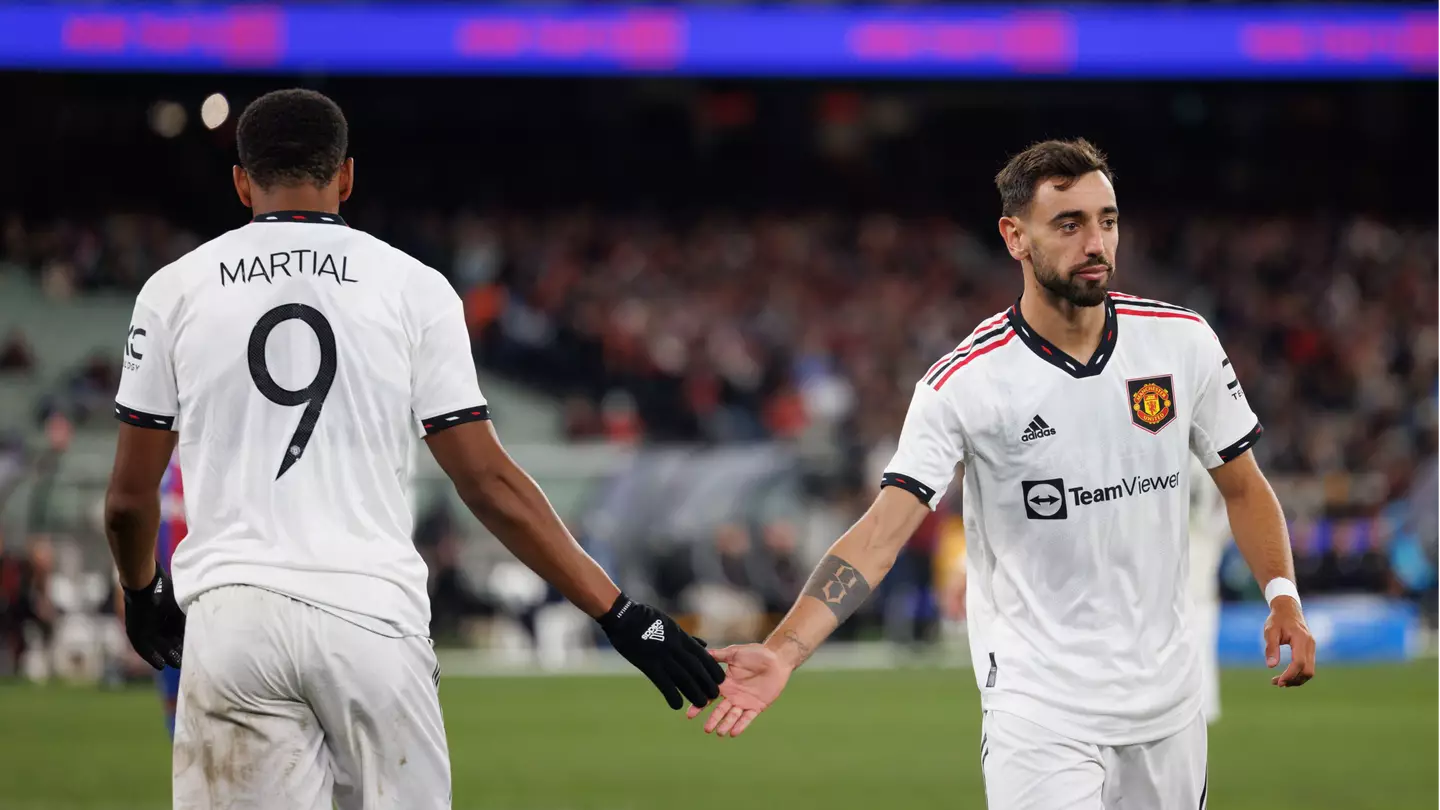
214,110
167,118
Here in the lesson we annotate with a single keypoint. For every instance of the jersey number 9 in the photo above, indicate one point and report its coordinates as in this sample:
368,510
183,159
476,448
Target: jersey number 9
311,396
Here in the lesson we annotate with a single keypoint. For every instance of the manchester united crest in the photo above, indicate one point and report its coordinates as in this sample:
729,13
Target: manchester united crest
1152,402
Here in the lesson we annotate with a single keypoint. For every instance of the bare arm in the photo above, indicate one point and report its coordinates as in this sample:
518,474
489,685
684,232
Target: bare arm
1256,519
843,581
504,498
1259,526
132,501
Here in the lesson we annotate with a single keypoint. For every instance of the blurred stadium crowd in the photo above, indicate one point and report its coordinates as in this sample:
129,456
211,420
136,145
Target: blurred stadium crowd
625,274
727,329
812,329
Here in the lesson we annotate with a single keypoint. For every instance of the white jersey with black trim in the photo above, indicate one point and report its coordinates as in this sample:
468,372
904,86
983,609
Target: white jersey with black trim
1076,500
299,359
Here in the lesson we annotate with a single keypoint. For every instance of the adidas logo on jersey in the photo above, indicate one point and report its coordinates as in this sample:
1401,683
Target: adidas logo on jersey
655,633
1037,429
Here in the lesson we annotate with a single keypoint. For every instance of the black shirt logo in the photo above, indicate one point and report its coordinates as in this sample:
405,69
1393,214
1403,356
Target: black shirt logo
130,348
1045,500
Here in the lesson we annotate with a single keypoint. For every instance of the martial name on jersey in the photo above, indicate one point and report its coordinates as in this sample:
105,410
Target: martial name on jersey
298,262
1076,500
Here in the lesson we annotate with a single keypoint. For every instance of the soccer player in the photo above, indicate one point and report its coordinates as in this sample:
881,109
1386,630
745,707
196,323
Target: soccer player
297,359
1075,412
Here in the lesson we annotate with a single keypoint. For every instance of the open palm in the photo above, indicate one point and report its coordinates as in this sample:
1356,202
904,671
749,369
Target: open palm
754,678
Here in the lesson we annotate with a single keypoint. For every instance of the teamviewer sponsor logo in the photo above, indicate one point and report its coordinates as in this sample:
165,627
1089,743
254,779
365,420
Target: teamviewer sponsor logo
1050,499
1138,484
1045,500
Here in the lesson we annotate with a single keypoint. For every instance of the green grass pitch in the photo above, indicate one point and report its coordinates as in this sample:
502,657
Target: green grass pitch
1355,738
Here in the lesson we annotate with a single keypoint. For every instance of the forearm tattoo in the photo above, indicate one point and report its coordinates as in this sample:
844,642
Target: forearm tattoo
837,584
804,650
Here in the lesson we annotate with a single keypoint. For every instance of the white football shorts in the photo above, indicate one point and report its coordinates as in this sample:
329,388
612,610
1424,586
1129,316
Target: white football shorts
283,705
1029,767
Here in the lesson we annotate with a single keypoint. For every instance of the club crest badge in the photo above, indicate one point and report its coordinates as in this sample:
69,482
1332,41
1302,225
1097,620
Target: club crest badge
1152,402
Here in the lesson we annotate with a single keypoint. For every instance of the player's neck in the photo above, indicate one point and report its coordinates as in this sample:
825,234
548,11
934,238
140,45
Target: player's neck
319,200
1074,330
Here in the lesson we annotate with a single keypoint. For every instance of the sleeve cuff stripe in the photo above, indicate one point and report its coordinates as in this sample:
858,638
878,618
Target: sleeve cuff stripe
908,484
1237,449
130,416
435,424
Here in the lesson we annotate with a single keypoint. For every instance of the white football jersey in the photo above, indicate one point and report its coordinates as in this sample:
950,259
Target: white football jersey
1076,501
299,359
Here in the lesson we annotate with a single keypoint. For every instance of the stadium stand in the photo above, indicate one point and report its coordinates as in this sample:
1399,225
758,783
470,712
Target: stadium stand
693,374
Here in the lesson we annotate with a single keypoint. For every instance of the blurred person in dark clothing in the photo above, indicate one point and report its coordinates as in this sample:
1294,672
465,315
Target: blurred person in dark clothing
724,597
24,600
780,564
911,611
453,599
16,356
732,554
14,587
1355,562
90,389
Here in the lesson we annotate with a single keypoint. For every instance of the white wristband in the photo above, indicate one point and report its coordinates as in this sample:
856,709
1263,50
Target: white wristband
1280,586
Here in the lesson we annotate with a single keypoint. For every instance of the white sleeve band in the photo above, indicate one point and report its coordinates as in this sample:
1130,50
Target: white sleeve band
1280,586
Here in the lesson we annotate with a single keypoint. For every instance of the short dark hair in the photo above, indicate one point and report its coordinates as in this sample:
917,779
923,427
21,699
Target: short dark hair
292,137
1067,160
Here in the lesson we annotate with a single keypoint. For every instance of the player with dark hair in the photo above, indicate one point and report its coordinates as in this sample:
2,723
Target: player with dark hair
296,360
1075,413
292,139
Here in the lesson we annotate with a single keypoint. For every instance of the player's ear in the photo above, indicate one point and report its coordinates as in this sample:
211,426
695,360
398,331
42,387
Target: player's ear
345,179
1013,234
242,184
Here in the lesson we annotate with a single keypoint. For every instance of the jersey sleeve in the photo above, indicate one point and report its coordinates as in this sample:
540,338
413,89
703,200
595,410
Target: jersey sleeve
148,397
445,391
1224,427
931,444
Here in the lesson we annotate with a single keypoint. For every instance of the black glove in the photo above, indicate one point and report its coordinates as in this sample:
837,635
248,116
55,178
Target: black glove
668,656
154,623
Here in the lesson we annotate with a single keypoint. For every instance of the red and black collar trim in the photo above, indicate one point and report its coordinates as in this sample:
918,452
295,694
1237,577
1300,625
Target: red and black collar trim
1052,354
315,217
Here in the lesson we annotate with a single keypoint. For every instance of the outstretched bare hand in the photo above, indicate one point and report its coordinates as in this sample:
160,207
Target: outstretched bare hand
754,679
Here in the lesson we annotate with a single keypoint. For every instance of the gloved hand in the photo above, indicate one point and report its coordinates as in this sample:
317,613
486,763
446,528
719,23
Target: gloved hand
676,663
154,623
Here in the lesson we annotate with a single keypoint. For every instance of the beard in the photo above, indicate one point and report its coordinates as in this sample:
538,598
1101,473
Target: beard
1081,292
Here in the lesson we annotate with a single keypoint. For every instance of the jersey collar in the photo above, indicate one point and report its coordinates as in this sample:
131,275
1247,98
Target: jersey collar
1051,353
315,217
